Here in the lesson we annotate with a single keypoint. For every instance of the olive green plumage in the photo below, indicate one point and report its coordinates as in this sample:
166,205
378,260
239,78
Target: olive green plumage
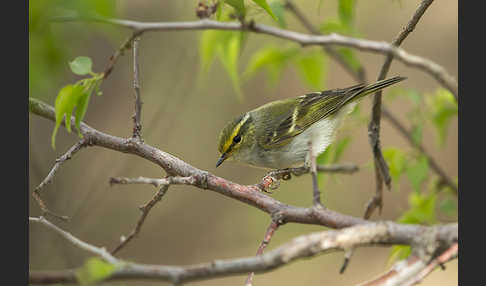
276,135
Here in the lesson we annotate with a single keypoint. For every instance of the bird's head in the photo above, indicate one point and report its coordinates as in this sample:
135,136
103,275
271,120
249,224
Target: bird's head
234,137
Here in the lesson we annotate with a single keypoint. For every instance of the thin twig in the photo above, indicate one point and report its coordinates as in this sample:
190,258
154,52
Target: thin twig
124,46
266,240
315,186
137,128
412,270
145,210
446,256
374,125
48,179
426,65
347,257
101,252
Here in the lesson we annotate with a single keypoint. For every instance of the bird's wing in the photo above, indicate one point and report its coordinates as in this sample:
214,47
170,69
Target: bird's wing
311,108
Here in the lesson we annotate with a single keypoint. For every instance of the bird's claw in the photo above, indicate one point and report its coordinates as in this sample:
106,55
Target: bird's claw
269,183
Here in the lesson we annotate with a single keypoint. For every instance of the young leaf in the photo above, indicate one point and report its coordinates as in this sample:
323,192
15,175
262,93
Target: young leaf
226,45
278,9
449,207
444,108
66,100
93,271
264,5
417,133
229,58
81,65
238,5
346,11
396,162
417,172
272,59
81,110
312,68
399,252
422,210
350,57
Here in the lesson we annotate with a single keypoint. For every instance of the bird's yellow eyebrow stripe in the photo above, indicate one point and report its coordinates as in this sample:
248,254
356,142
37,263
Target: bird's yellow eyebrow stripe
237,128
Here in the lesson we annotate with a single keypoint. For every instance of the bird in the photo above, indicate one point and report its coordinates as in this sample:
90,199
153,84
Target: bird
280,134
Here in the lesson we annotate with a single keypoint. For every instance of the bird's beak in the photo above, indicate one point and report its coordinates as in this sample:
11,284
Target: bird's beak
221,159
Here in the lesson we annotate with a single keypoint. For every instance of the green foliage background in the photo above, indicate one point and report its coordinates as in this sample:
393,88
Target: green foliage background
192,83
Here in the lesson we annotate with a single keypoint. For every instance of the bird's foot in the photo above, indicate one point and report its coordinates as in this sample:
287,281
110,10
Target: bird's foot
271,181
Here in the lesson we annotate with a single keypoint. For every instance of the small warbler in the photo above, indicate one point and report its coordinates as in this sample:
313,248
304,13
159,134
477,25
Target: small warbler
277,135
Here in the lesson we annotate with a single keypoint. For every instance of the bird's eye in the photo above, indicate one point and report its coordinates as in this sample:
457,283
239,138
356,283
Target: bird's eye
237,139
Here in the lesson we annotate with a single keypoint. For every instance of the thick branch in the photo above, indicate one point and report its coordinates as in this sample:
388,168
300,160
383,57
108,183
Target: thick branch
300,247
428,66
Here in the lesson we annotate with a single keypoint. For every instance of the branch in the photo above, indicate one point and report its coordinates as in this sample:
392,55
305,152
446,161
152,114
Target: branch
412,270
155,182
428,66
36,194
145,210
101,252
272,228
137,126
300,247
374,125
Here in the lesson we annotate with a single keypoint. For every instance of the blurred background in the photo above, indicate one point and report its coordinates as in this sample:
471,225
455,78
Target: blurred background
183,113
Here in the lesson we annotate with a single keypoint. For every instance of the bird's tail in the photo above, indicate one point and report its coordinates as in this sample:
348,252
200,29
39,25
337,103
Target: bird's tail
374,87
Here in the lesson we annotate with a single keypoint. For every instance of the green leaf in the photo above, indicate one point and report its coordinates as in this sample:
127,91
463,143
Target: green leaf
278,9
413,95
346,11
238,5
220,9
225,45
229,57
396,161
81,65
266,7
81,110
422,209
448,206
399,252
66,100
417,172
93,271
417,133
350,58
312,68
272,59
443,107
